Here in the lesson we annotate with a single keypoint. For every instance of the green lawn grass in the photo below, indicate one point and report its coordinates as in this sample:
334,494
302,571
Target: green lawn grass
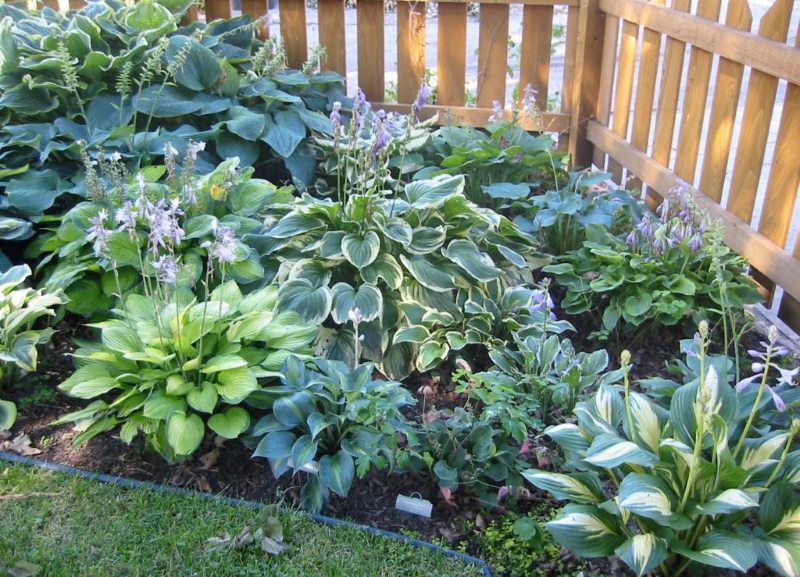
95,529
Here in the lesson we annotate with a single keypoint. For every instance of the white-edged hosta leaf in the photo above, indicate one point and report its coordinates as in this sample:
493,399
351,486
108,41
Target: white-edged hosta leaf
298,295
185,433
433,192
231,423
643,552
761,449
361,251
431,355
577,487
722,549
367,298
608,451
649,496
396,229
426,240
236,384
385,268
728,501
428,273
414,334
568,436
647,427
586,530
468,256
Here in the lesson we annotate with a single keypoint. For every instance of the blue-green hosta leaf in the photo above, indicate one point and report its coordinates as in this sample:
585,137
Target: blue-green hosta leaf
578,487
609,451
313,494
586,530
361,251
203,398
294,224
649,496
317,422
222,363
276,445
286,133
425,240
298,295
231,423
468,256
643,552
166,102
201,69
780,555
34,192
8,415
236,384
386,268
779,513
185,434
245,123
303,451
293,410
417,334
722,549
507,191
15,228
719,399
336,472
367,298
433,192
728,501
429,274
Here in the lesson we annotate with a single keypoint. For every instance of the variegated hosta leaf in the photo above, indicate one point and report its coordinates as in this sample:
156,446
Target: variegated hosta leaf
361,251
366,298
643,552
728,501
757,451
429,274
722,549
586,530
417,334
602,413
578,487
780,555
791,468
779,513
647,427
8,414
298,295
433,192
649,496
384,268
468,256
431,354
716,396
609,451
568,436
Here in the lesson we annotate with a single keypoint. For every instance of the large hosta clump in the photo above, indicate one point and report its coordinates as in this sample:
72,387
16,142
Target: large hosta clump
423,267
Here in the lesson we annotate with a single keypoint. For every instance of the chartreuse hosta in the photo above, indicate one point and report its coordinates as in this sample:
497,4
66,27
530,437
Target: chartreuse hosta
171,371
704,482
20,308
424,266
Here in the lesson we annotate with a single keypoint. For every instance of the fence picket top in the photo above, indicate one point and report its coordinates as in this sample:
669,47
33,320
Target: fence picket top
332,35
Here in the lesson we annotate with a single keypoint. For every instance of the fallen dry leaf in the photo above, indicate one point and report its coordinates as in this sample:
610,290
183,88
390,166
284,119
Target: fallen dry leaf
21,445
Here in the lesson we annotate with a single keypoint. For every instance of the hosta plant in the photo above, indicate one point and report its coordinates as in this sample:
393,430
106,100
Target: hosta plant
690,486
21,309
172,371
332,422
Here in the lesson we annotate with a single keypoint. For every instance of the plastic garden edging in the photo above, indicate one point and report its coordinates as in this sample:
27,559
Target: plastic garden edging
135,484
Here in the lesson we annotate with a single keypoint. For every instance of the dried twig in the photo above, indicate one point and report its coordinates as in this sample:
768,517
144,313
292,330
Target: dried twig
22,496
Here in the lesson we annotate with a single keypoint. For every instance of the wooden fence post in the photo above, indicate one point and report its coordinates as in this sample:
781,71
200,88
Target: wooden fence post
586,82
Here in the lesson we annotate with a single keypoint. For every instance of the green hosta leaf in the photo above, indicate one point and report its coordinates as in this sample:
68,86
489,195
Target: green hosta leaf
223,363
185,434
123,250
294,409
722,549
648,496
160,405
250,197
367,298
643,552
361,251
386,268
231,423
609,451
468,256
94,387
336,472
236,384
638,306
203,398
414,334
298,295
433,192
428,274
121,339
276,445
23,349
728,501
586,530
288,331
8,415
303,451
578,487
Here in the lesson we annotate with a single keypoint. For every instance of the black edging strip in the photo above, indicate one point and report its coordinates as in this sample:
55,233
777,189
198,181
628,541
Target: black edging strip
135,484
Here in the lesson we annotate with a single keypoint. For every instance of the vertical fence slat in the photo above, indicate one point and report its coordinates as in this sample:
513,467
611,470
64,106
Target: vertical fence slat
50,4
727,89
451,55
624,89
332,36
293,31
694,102
645,92
215,9
410,49
671,76
370,49
258,9
756,120
534,65
570,53
610,37
492,54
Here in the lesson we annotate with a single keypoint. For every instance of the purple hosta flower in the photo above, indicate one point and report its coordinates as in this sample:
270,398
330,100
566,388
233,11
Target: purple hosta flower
359,100
497,112
696,242
336,117
744,383
164,226
646,226
382,136
223,249
422,99
660,244
142,184
98,233
633,238
166,269
195,148
356,316
541,302
502,493
529,100
126,216
115,156
190,194
169,151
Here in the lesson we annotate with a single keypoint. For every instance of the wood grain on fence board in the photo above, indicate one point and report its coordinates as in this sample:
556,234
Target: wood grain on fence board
294,31
694,102
756,119
727,90
492,54
568,84
606,90
332,35
537,41
410,49
451,56
215,9
624,89
371,32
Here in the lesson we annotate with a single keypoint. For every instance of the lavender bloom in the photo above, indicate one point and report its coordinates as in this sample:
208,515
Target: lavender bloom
142,184
115,156
529,100
195,148
169,151
336,117
497,111
632,239
382,136
126,216
164,226
541,302
190,194
422,98
696,242
167,269
356,316
223,249
744,383
98,233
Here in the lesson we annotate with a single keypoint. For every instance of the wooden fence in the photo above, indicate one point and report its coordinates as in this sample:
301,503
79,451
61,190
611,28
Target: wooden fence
653,91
